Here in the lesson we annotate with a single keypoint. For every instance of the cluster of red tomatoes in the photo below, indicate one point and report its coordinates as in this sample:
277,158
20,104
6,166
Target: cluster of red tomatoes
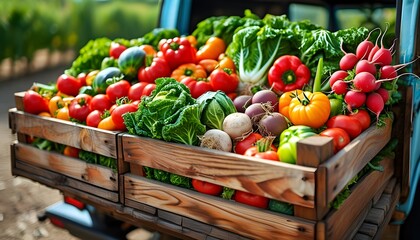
201,70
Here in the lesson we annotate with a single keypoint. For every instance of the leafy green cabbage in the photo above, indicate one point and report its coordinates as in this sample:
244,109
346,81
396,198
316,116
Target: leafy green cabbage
215,106
170,113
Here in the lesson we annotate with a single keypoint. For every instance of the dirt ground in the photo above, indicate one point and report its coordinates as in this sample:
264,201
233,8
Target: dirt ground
21,200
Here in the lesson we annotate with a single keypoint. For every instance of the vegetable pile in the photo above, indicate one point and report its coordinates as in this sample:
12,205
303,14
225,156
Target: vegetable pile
238,84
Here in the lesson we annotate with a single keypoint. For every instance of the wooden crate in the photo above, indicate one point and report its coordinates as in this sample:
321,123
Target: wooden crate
94,179
310,185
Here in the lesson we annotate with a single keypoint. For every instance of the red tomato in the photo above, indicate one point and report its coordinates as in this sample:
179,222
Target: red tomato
93,118
82,78
117,113
100,102
140,89
79,107
34,103
68,85
158,68
116,49
351,125
71,151
363,116
224,80
268,155
251,199
207,187
340,137
117,90
243,145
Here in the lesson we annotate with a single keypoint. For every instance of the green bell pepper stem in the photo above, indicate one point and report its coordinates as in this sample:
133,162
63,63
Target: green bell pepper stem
318,76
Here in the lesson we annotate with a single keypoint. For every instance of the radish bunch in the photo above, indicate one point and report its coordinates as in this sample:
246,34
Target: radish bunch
361,75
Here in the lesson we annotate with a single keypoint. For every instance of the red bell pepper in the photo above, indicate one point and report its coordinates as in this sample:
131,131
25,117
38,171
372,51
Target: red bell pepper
197,86
159,67
177,51
288,73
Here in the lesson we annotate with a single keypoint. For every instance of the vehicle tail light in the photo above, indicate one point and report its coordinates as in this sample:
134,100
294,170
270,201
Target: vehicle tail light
56,222
74,202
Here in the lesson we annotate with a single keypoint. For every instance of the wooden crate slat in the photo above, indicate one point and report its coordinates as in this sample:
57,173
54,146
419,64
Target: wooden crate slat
395,198
368,229
69,185
281,181
350,212
65,132
215,211
345,164
171,217
75,168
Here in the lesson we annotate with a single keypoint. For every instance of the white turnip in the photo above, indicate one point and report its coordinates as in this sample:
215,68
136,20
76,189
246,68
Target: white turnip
237,125
216,139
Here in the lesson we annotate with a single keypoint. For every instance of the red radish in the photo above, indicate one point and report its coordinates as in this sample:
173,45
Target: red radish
365,82
375,103
388,72
365,66
338,75
348,61
364,47
339,87
354,99
384,94
383,56
372,52
375,47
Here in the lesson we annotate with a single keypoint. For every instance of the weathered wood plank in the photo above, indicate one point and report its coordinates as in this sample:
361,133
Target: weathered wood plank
217,212
361,236
19,100
314,150
368,229
90,173
141,207
65,132
339,223
395,198
281,181
88,192
345,164
403,132
171,217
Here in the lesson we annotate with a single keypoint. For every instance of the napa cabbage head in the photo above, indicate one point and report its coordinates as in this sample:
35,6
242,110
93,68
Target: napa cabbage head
254,50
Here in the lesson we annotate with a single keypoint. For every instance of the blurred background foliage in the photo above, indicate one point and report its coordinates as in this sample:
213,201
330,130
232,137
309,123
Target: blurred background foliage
61,25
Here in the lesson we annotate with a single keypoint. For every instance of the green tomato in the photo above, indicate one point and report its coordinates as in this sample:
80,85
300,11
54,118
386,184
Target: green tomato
336,106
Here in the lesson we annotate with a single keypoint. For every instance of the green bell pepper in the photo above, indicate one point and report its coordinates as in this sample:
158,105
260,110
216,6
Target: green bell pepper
287,148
